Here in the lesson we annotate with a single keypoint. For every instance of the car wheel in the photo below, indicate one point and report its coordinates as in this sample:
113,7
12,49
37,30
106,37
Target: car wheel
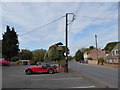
28,72
50,71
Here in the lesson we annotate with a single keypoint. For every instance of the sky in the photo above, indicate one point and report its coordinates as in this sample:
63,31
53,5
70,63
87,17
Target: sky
91,18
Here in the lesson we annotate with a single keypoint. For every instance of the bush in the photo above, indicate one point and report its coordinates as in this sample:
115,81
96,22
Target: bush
62,62
100,59
14,59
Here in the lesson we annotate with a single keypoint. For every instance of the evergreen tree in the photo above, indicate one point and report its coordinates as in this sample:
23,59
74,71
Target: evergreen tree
10,44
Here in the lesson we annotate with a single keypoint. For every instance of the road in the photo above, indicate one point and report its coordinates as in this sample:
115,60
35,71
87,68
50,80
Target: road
14,77
106,75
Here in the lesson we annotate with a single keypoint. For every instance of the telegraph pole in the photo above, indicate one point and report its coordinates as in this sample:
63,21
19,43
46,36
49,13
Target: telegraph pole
66,42
96,47
66,39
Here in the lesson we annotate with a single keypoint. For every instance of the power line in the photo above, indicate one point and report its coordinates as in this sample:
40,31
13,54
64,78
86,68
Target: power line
75,14
43,26
99,18
78,8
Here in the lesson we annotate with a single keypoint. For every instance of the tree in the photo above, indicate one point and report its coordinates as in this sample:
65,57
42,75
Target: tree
79,56
10,44
56,53
110,46
25,54
70,57
87,49
39,54
91,47
101,60
14,59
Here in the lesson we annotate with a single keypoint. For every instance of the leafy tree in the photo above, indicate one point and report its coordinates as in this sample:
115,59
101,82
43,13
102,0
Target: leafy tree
91,47
56,53
14,59
10,44
110,46
101,59
39,54
25,54
79,56
70,57
87,49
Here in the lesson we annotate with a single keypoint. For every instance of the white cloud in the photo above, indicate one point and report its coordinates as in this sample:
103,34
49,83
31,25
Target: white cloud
60,0
28,16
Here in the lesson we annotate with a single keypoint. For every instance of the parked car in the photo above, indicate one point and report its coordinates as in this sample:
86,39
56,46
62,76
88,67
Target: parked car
44,68
4,62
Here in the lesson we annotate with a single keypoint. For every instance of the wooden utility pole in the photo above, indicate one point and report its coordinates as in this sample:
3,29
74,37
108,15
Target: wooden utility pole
66,39
66,42
96,47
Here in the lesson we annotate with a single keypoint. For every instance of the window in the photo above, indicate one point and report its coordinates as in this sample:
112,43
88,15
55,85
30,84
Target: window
117,52
113,53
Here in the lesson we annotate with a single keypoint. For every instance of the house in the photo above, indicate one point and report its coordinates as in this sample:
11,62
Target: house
1,50
94,54
114,56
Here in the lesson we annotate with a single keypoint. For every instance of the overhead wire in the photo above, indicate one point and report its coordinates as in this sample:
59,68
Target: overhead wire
108,19
42,26
96,18
76,14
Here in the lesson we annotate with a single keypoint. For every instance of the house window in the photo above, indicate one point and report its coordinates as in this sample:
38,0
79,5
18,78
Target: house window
117,52
113,53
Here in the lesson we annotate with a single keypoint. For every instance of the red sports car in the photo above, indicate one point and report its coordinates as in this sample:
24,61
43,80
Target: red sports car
4,62
41,69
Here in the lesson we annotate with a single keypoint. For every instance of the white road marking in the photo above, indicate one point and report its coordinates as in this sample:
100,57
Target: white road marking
28,75
16,75
57,79
83,87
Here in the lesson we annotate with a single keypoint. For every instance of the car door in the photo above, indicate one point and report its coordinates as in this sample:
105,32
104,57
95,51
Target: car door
43,68
39,69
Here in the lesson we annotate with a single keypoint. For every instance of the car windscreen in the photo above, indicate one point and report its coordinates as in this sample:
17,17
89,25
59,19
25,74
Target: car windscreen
48,65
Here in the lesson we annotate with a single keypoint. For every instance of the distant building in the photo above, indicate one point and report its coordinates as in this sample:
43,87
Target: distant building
114,56
92,54
24,62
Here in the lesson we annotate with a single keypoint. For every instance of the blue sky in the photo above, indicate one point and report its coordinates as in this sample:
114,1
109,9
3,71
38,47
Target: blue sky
92,18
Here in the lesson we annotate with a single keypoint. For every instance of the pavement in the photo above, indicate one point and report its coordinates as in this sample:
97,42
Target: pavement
15,77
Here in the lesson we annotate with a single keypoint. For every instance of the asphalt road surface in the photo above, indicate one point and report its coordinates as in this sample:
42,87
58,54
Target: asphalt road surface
103,74
14,77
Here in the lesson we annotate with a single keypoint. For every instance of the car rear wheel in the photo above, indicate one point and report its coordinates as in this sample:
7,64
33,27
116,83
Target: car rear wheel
50,71
28,72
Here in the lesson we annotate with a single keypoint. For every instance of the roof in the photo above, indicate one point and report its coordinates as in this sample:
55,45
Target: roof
110,56
92,50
